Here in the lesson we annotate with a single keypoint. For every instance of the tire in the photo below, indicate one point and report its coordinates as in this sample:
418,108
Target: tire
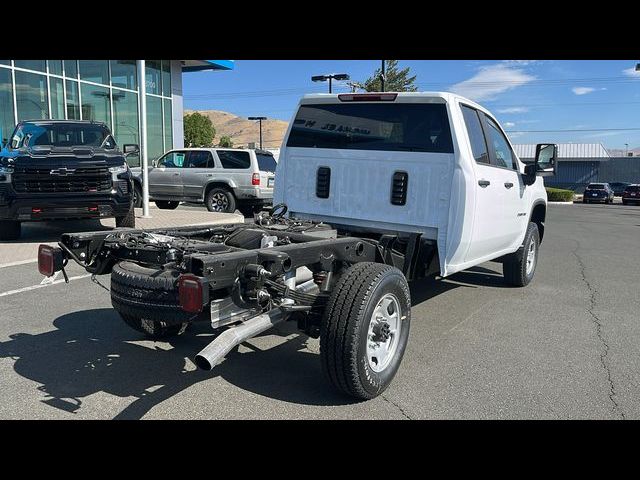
624,202
167,205
346,358
129,220
150,294
220,200
10,230
137,195
515,268
155,330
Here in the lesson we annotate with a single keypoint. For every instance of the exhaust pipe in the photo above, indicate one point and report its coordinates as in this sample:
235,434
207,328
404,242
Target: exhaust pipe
213,353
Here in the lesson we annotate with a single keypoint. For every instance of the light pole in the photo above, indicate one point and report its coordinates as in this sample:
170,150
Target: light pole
382,77
330,77
259,121
626,149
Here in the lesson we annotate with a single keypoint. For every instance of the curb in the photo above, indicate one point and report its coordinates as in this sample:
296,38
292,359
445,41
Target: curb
560,203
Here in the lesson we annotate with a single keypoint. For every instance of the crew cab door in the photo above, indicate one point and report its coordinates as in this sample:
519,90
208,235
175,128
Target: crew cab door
165,179
499,191
197,172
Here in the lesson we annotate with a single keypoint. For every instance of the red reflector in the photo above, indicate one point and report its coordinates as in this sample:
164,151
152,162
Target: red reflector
93,209
46,260
36,210
255,179
190,292
367,97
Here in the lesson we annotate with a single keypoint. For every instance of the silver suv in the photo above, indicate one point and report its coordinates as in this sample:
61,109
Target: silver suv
222,178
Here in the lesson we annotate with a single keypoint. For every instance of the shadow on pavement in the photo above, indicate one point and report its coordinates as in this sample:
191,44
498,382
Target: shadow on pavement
51,231
90,352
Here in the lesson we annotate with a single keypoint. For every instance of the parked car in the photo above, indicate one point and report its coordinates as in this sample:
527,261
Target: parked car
618,187
222,178
380,189
631,194
598,192
63,169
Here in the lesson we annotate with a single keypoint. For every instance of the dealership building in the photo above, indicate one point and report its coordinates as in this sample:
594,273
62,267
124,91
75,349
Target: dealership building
582,163
107,91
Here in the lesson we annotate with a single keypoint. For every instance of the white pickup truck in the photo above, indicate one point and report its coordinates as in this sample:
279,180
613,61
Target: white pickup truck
380,189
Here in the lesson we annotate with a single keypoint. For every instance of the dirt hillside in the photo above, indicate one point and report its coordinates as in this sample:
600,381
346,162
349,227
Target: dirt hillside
243,131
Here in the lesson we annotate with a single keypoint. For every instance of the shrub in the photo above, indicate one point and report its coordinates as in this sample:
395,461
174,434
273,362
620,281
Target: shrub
559,195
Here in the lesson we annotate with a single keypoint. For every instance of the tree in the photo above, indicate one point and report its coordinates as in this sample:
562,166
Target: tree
395,80
225,142
198,130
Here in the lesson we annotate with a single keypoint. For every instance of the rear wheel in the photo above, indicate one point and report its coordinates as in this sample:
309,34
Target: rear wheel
519,267
220,200
10,230
365,329
166,205
137,196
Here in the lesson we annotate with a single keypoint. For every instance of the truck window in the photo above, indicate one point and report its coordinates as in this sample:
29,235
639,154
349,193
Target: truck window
200,159
413,127
476,136
231,159
500,145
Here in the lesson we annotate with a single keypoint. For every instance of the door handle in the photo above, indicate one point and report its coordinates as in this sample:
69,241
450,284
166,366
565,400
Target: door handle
484,183
176,174
508,184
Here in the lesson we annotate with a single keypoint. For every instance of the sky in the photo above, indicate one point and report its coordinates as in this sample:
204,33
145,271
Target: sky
598,99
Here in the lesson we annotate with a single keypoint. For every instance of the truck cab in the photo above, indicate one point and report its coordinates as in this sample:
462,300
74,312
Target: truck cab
434,163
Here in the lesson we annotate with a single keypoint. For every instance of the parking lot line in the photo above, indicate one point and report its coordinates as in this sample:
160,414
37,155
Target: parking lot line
15,264
41,285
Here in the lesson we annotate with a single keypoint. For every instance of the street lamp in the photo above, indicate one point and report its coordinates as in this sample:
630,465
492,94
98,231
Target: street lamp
626,149
260,121
330,77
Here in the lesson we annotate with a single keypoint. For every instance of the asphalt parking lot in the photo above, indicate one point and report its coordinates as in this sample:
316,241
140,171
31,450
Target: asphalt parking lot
566,347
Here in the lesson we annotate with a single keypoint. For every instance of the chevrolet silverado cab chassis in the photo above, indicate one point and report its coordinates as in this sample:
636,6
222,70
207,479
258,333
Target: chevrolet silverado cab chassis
372,192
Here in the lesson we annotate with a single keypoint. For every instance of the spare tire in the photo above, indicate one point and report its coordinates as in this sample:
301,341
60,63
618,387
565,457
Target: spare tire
149,293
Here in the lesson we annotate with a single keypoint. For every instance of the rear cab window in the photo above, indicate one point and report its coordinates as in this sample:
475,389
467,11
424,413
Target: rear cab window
411,127
596,186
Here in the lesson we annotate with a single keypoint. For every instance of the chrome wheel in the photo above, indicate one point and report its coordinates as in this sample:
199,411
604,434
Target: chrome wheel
384,332
531,256
219,202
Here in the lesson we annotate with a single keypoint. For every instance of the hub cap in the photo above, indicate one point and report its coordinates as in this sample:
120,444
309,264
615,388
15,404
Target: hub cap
531,256
384,332
219,202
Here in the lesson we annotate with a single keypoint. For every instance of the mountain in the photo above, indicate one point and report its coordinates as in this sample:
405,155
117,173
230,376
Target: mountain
243,131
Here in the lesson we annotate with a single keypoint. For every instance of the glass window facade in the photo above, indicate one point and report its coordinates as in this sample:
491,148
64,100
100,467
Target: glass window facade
32,99
39,65
100,90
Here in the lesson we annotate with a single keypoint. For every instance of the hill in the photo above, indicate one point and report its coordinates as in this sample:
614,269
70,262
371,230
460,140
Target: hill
243,131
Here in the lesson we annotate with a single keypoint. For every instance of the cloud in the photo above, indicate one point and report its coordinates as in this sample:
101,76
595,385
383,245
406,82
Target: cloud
602,134
492,80
631,72
509,124
513,110
582,90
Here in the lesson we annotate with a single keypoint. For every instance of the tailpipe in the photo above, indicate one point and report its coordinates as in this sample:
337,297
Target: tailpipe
213,353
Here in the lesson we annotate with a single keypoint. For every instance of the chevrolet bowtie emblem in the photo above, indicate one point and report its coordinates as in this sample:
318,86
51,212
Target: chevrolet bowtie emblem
62,171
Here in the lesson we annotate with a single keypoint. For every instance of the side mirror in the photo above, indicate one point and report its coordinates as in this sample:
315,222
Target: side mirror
546,159
130,149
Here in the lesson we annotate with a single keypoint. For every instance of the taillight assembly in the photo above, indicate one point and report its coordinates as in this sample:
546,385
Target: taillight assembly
193,292
50,260
255,179
367,97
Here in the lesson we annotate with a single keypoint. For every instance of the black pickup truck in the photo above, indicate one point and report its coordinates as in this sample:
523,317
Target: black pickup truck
60,169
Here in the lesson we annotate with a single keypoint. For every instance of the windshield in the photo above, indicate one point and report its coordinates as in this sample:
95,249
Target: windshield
596,186
266,163
413,127
61,135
